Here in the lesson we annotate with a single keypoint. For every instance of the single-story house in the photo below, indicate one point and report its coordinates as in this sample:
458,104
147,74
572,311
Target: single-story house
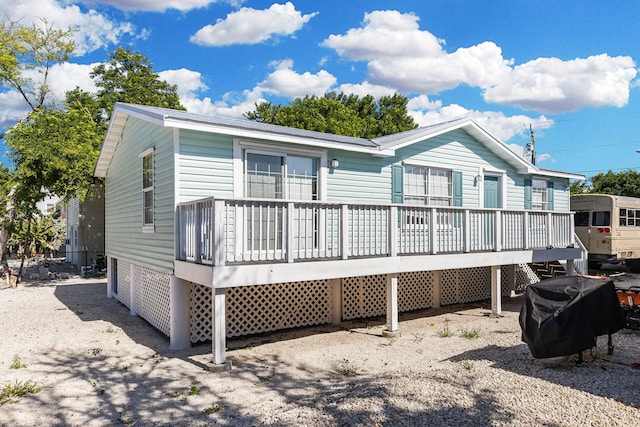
219,227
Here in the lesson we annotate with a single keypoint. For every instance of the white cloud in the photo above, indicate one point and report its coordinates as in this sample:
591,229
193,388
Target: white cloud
13,109
553,86
401,56
286,82
162,5
252,26
65,77
93,30
189,82
386,34
366,88
426,112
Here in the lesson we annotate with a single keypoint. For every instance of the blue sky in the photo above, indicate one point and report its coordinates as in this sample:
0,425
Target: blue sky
567,69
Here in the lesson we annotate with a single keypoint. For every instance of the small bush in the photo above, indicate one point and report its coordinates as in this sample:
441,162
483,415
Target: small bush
11,392
16,363
470,334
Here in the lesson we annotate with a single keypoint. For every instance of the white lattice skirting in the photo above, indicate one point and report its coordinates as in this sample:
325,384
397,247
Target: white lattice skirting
258,309
145,291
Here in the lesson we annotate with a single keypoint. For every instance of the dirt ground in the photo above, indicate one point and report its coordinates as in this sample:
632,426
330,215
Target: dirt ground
96,365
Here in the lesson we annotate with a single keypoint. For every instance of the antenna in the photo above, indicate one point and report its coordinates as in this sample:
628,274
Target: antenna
531,146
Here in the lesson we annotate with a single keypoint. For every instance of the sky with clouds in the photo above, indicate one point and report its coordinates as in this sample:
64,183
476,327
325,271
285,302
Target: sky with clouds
567,70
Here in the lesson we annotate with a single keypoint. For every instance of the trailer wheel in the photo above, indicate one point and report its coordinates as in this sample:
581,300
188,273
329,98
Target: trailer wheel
633,265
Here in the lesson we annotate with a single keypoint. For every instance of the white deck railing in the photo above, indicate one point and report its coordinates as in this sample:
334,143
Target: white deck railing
222,231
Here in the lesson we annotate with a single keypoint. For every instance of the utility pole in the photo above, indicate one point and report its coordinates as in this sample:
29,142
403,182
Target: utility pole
531,146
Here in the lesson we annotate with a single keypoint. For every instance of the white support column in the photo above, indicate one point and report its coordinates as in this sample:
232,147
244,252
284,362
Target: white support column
110,278
437,288
336,302
218,325
392,307
570,268
179,314
132,290
496,290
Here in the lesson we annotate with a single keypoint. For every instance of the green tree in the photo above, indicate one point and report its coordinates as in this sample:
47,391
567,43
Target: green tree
31,48
27,53
626,183
128,76
340,114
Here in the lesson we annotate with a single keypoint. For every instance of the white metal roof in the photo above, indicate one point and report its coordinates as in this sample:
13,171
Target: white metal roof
382,146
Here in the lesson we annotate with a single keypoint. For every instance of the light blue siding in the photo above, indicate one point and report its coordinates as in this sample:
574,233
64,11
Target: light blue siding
359,178
206,165
124,236
459,151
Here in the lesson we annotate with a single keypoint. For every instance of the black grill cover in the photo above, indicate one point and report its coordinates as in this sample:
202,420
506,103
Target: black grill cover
562,316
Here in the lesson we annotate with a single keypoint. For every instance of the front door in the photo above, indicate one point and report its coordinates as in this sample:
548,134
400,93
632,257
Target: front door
491,192
490,202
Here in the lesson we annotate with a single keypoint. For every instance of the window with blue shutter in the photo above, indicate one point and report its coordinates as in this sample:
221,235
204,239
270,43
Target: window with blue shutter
527,193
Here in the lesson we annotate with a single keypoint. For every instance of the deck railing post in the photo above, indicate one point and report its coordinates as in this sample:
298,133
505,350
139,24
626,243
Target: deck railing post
466,223
550,230
218,250
392,230
344,231
433,231
572,230
289,232
197,231
497,232
525,230
177,235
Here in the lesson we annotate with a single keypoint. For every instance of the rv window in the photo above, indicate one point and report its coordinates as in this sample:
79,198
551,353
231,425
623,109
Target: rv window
581,219
601,219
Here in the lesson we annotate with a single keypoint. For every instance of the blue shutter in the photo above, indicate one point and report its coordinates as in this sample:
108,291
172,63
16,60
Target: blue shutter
397,184
457,189
550,195
527,193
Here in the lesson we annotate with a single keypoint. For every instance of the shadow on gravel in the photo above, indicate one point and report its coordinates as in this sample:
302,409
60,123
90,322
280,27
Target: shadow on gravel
147,391
605,377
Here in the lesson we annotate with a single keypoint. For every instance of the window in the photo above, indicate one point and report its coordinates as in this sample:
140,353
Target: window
427,186
581,219
147,190
273,176
539,194
629,217
601,219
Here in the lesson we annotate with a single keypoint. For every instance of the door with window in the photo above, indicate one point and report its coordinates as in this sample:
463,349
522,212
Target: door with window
280,176
491,201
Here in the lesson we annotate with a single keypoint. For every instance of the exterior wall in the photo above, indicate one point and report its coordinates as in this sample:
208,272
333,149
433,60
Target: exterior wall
126,239
460,152
359,178
85,229
205,165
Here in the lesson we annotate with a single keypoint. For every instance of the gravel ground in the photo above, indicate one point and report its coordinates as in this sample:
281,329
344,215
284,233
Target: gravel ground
98,366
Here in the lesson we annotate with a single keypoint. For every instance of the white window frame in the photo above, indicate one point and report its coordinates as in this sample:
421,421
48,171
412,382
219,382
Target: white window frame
428,168
148,227
502,185
542,205
240,147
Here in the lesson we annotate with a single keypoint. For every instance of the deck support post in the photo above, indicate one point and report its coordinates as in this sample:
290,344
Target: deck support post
392,307
179,314
336,302
496,291
437,289
111,281
571,271
218,327
132,290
